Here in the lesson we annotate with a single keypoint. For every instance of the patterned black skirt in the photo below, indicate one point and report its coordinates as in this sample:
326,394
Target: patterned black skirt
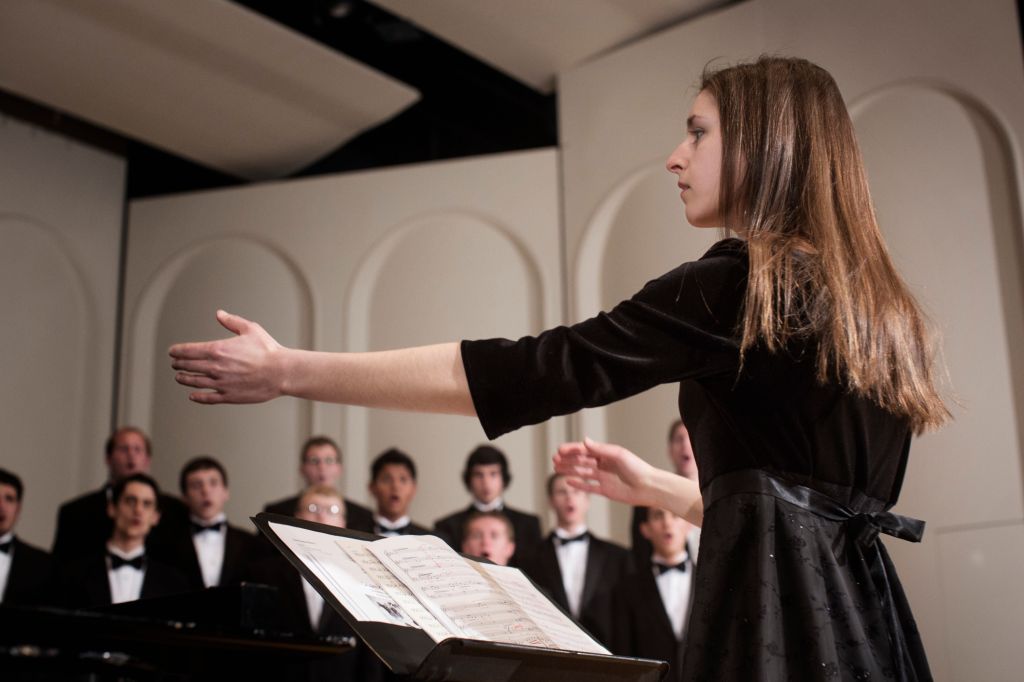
792,585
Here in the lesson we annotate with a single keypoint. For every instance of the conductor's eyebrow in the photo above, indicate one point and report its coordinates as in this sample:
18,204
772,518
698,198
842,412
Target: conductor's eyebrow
693,119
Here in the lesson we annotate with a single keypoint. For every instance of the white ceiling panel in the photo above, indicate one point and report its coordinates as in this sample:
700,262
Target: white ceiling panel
534,40
205,79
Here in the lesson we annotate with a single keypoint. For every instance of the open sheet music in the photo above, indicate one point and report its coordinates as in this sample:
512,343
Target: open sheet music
418,581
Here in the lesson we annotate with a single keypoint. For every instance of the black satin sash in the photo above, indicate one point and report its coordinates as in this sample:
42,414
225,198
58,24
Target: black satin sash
862,527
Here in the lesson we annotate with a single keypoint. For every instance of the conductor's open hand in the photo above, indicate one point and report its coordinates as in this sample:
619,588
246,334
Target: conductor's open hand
245,368
606,469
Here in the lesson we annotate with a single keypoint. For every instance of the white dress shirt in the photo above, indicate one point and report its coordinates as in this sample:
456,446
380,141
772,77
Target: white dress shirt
209,546
572,564
126,581
497,504
389,529
674,587
5,562
314,604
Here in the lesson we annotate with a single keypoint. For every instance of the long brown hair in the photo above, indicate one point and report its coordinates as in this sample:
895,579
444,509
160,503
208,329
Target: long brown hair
793,183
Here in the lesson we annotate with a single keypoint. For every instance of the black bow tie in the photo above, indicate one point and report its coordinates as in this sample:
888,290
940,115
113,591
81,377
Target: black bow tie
199,528
662,568
382,530
575,538
6,547
116,562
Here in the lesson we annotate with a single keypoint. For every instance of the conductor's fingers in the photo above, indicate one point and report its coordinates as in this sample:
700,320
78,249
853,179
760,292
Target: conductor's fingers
573,468
572,449
584,485
202,350
207,397
603,451
233,323
193,366
195,380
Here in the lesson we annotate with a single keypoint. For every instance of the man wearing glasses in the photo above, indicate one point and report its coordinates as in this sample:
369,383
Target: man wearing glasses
304,611
320,465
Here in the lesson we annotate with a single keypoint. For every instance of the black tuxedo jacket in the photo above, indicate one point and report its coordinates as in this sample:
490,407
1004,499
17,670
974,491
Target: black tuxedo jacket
641,625
241,549
606,564
84,583
357,517
526,527
30,577
83,527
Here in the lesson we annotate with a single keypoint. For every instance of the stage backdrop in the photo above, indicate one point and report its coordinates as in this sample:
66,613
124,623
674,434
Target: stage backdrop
937,96
361,261
61,206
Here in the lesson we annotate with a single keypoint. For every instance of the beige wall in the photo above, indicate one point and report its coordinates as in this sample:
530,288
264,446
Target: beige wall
60,227
937,96
373,260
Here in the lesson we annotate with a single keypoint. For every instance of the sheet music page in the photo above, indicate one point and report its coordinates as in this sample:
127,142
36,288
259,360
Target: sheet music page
460,597
372,566
555,624
360,594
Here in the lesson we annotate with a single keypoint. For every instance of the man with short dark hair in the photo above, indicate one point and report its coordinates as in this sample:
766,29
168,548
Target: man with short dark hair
653,602
320,464
24,569
486,476
575,568
212,552
125,572
393,486
83,525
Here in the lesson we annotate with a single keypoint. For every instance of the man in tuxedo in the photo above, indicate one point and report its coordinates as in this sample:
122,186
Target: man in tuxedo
489,535
652,603
320,464
304,611
393,485
680,454
24,569
486,476
125,571
576,569
83,525
212,552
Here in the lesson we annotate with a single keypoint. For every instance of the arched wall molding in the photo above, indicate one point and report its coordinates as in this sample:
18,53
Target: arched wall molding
1000,148
978,108
364,281
585,299
137,386
86,313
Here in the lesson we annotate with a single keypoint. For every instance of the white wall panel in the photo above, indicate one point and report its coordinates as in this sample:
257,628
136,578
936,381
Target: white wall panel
256,445
60,226
453,276
385,258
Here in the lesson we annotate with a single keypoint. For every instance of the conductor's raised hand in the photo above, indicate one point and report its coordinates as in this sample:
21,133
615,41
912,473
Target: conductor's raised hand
606,469
245,368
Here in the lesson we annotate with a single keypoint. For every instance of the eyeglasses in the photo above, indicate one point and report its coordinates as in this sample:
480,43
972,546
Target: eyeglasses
332,510
315,461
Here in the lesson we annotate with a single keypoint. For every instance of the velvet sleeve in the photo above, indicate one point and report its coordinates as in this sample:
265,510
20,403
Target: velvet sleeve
679,326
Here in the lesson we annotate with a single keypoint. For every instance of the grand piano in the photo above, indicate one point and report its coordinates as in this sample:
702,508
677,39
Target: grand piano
227,633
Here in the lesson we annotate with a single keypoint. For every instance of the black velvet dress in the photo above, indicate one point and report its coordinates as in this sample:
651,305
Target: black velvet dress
792,583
